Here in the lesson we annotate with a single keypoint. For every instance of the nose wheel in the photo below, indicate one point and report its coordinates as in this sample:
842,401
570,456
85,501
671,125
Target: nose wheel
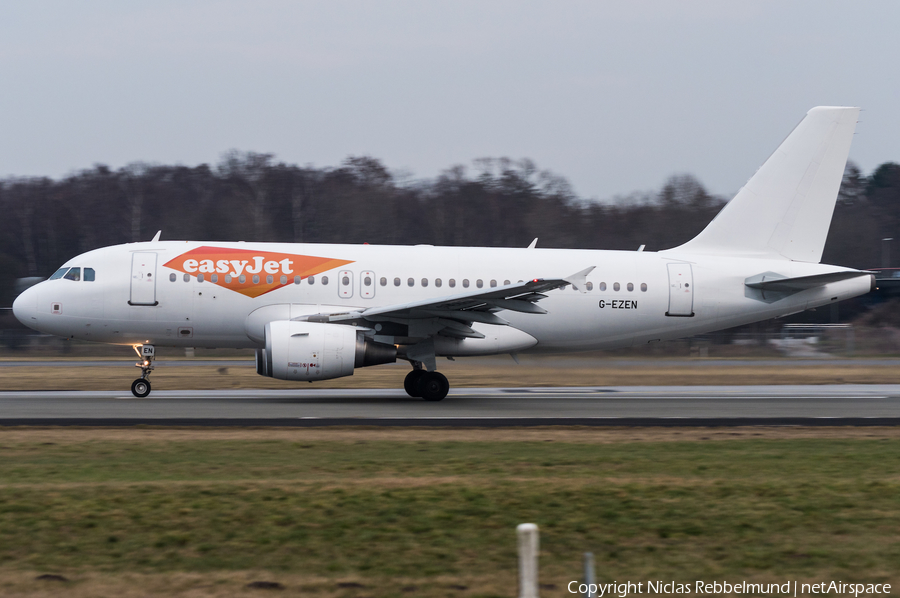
141,387
430,386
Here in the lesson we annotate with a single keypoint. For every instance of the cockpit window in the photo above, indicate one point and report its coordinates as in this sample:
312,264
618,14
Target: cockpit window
89,275
73,274
59,273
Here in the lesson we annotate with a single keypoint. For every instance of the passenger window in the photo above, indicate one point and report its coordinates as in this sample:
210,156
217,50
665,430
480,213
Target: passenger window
324,280
643,287
187,278
602,286
256,279
59,273
172,277
345,280
505,283
269,279
452,283
630,287
214,278
311,279
410,282
493,284
283,279
367,281
73,274
479,283
228,279
241,279
297,280
616,286
466,283
424,282
199,278
89,275
589,286
383,281
438,282
396,282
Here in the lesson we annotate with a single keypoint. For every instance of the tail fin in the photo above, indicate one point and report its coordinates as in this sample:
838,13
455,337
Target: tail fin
785,209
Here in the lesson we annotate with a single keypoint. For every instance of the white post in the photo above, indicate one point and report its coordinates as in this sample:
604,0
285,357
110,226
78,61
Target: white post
528,560
589,578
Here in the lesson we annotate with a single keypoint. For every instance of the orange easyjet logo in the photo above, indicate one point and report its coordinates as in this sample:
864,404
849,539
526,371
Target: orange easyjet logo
249,272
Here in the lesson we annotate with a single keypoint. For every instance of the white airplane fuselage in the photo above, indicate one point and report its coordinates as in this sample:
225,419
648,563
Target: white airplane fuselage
632,310
315,312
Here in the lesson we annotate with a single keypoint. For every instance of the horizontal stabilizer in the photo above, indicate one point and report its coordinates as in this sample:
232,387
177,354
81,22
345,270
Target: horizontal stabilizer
771,281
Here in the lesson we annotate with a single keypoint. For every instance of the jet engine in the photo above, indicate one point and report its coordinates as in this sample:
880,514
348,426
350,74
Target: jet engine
312,351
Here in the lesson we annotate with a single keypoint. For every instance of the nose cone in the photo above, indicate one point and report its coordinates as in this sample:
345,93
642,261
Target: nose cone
25,307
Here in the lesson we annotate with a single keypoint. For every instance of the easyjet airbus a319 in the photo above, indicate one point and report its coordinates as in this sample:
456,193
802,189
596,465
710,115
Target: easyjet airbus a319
315,312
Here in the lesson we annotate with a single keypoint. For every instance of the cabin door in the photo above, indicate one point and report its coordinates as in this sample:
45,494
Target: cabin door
143,278
681,290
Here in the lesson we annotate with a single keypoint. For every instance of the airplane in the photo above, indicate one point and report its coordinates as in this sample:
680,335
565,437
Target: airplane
319,311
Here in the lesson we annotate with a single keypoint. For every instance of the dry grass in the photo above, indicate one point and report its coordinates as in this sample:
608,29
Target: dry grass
355,435
462,374
232,584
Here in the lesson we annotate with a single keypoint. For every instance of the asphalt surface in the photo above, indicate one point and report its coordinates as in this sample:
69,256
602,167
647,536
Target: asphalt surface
488,407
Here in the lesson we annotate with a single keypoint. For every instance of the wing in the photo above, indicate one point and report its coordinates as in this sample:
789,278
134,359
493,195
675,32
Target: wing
457,312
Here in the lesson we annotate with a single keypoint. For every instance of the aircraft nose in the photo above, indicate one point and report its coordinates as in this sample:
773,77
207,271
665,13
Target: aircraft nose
25,306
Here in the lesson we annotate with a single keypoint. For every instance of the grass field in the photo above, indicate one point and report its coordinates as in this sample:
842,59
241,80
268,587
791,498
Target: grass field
341,512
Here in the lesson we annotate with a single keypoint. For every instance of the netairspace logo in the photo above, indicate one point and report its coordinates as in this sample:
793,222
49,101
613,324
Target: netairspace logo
790,588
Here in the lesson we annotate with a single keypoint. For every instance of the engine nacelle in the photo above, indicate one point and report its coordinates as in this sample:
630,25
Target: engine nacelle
312,351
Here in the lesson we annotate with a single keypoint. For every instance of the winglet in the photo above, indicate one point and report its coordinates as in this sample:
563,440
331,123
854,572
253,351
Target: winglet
533,244
156,236
578,279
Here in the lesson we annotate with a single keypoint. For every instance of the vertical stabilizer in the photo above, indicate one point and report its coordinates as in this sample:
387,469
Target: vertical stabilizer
785,209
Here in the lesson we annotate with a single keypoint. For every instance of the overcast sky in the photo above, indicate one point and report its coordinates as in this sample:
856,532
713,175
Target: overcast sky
614,96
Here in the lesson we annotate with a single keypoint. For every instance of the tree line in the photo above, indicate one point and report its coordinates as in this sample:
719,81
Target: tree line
495,202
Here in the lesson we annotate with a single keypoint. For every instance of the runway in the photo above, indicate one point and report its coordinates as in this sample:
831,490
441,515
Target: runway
488,407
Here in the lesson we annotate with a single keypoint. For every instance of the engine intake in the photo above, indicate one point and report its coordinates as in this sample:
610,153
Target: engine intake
311,351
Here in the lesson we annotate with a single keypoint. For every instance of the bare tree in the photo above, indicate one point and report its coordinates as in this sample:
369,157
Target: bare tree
131,182
251,169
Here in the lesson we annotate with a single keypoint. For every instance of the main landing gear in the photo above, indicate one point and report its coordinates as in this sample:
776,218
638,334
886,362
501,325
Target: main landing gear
431,386
141,387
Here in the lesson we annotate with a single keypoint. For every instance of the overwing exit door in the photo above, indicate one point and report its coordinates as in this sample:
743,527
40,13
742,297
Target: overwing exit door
367,284
681,290
345,284
143,279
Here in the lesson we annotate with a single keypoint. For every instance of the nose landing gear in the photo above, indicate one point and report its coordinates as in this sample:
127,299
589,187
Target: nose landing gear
141,387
